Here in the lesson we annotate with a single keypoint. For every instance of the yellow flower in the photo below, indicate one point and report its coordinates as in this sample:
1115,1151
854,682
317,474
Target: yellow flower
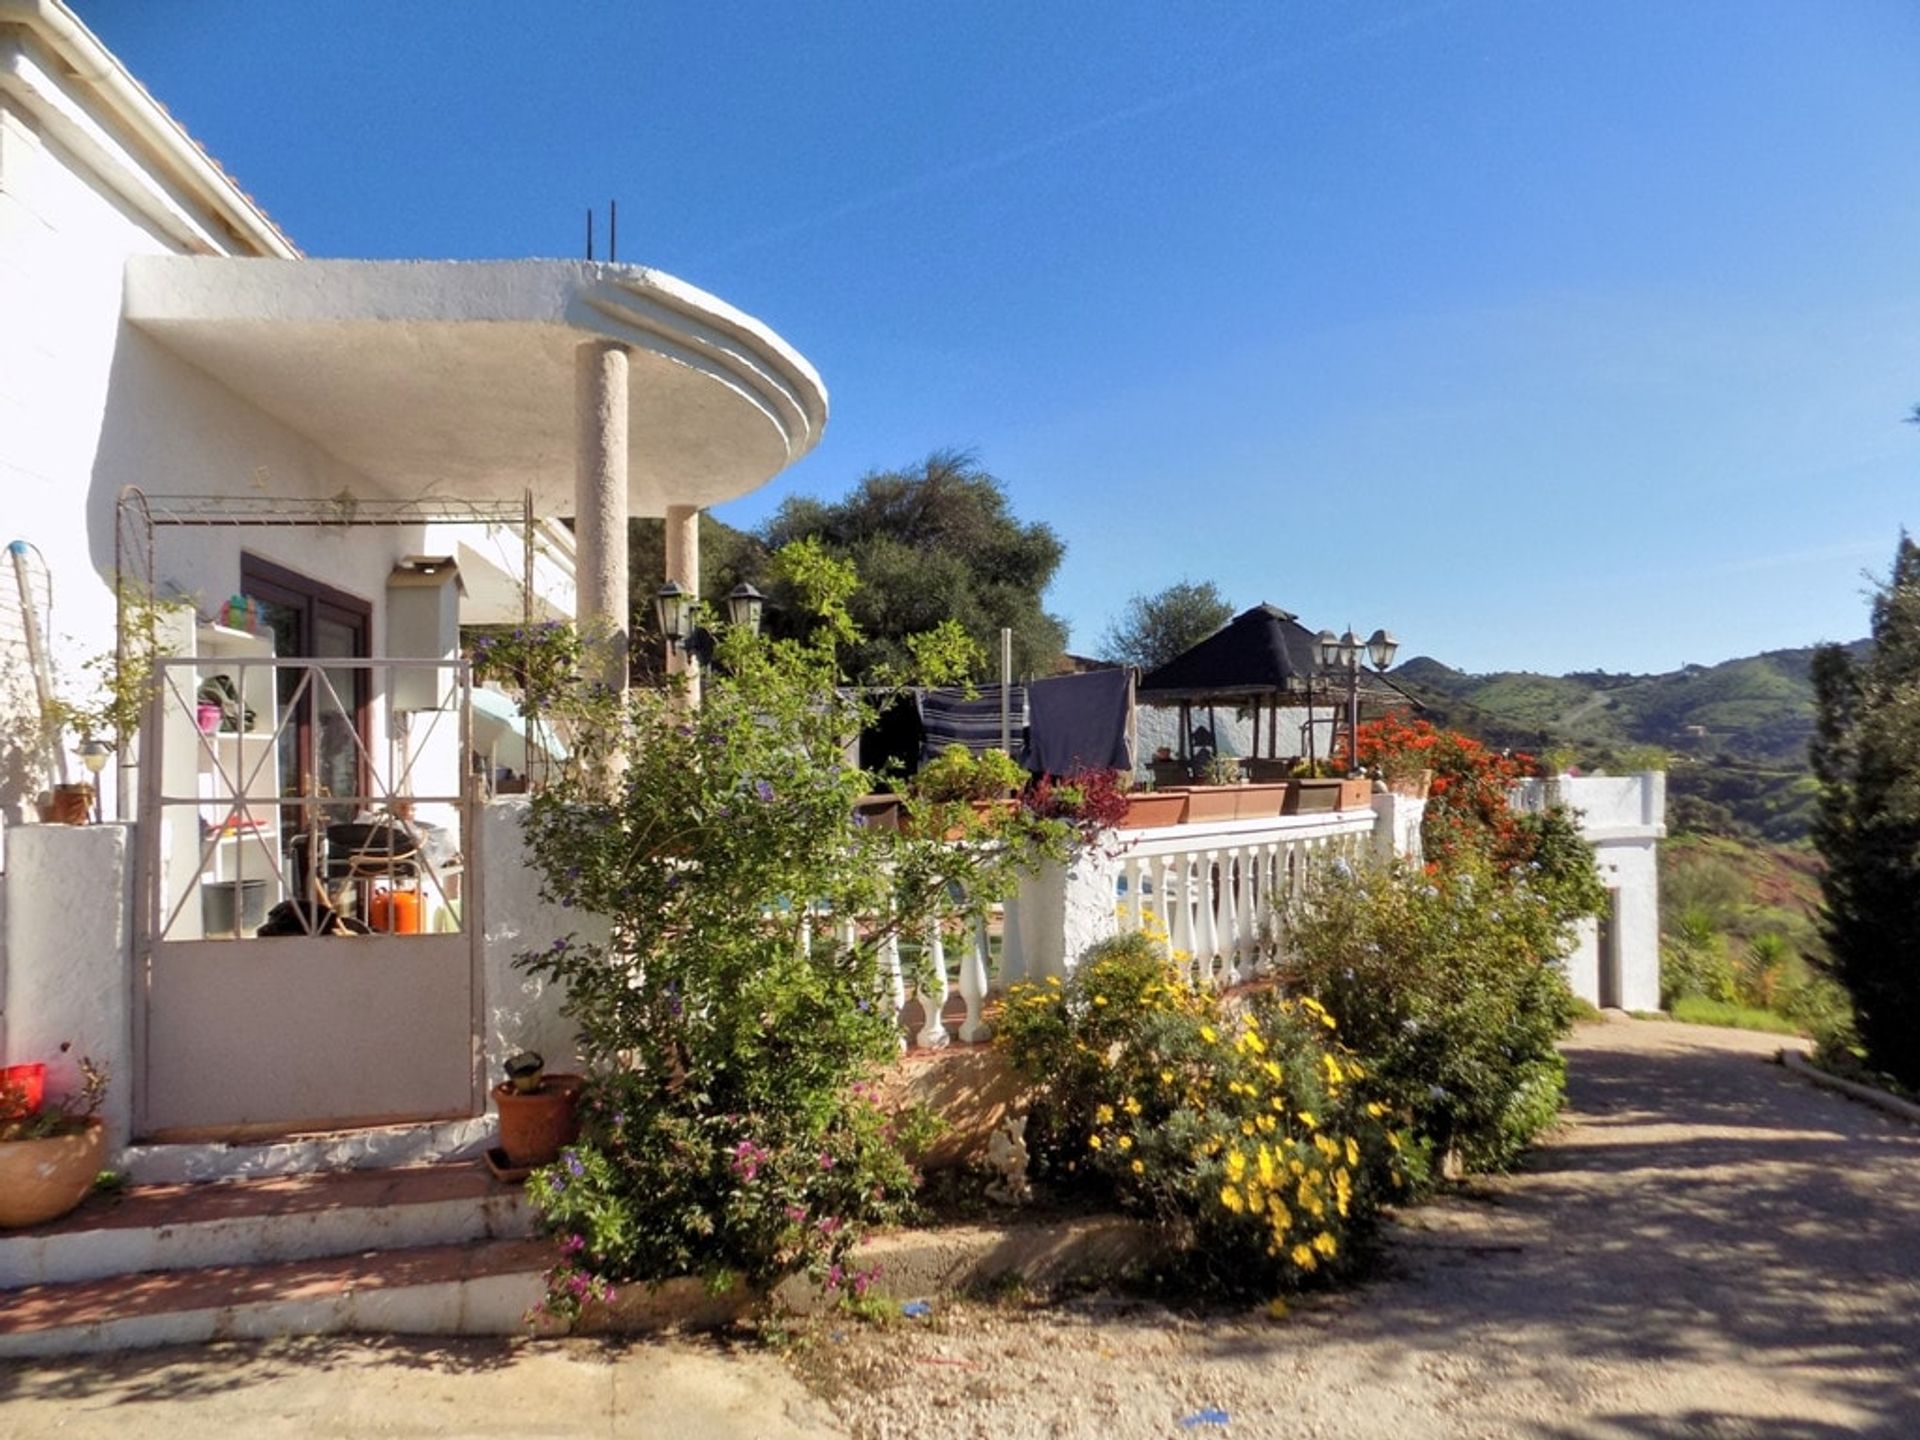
1130,1105
1279,1217
1099,999
1126,1143
1306,1119
1166,1077
1276,1309
1094,1143
1267,1124
1139,1168
1353,1151
1376,1109
1254,1043
1103,1115
1303,1256
1272,1067
1230,1197
1326,1244
1206,1034
1054,980
1246,1127
1334,1074
1269,1172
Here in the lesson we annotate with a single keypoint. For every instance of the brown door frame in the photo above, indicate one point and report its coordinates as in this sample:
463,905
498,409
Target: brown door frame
315,600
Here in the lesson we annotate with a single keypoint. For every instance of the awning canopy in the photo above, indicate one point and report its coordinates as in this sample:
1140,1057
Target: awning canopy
459,377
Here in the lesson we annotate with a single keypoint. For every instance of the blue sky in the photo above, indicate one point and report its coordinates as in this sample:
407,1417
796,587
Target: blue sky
1549,337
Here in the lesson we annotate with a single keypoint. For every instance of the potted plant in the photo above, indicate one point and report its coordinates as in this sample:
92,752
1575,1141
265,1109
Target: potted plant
50,1154
538,1112
985,783
119,684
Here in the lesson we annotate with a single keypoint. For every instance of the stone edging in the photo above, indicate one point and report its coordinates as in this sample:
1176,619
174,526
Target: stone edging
1798,1063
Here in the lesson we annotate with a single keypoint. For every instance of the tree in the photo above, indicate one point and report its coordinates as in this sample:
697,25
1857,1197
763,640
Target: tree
1866,758
932,543
1152,629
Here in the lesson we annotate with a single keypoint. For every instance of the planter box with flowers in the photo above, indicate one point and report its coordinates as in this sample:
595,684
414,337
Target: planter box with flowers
50,1154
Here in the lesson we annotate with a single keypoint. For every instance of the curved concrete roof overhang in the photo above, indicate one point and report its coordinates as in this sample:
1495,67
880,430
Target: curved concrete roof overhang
456,378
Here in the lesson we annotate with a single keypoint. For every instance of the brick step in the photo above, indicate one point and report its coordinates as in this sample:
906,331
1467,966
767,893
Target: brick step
263,1221
481,1288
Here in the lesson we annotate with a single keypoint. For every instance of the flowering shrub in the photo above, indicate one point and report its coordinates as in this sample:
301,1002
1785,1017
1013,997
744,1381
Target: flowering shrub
1250,1133
727,1030
1444,979
1090,800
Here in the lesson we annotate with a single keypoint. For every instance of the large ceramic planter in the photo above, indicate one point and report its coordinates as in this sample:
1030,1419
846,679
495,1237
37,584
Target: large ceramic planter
536,1126
1258,802
1148,808
41,1180
1311,797
1211,802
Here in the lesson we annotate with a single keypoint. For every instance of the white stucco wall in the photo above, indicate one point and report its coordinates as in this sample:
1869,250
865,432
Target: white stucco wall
1624,816
66,973
522,1011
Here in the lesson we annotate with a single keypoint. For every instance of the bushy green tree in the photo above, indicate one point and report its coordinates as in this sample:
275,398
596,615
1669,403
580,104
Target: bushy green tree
1866,757
1153,629
934,542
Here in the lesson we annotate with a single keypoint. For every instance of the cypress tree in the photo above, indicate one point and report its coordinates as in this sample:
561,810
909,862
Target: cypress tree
1866,757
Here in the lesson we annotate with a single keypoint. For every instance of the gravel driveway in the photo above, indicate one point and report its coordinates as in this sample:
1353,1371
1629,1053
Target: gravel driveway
1708,1247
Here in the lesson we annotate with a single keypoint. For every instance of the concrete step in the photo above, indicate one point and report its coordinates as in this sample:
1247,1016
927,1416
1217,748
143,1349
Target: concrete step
264,1221
482,1288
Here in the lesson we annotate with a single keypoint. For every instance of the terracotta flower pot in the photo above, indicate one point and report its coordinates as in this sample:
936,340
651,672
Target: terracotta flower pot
41,1180
536,1126
1414,786
1311,797
1355,794
71,805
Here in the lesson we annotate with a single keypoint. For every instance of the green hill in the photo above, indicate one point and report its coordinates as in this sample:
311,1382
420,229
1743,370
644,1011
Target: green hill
1736,732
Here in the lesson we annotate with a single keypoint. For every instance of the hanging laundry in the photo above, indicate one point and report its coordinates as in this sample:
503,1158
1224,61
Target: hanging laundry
951,717
1081,722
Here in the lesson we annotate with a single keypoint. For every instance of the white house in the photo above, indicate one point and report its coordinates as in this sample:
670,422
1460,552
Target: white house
334,464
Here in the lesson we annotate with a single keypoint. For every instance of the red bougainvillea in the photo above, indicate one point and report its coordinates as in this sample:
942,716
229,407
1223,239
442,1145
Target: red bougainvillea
1467,806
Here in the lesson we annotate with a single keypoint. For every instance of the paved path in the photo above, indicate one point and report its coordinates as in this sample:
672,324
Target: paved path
1710,1248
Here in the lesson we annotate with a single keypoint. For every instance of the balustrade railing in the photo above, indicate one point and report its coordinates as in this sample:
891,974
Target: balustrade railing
1218,891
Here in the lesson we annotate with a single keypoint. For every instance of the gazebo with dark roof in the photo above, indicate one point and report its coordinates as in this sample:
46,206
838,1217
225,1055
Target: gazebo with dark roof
1262,654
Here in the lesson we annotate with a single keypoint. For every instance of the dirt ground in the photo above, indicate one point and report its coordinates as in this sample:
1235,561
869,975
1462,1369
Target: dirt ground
1707,1248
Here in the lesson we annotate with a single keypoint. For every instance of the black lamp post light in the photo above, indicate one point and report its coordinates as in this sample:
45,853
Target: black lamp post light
678,611
1343,652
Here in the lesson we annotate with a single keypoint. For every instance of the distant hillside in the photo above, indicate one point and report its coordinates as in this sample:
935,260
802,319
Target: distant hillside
1737,732
1756,708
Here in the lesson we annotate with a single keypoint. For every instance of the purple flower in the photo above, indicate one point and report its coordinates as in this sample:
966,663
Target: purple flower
764,789
574,1167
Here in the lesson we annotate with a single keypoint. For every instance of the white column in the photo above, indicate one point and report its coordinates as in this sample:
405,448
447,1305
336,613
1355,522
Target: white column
683,567
600,503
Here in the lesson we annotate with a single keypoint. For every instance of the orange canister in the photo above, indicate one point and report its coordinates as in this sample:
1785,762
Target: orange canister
396,912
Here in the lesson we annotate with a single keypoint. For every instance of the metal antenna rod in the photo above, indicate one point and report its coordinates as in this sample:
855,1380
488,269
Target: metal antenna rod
589,232
613,231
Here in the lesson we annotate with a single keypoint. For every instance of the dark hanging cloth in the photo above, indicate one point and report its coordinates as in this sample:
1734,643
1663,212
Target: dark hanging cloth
1081,722
890,746
951,718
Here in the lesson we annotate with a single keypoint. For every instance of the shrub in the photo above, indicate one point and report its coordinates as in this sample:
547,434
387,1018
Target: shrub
1249,1133
729,1036
1444,981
